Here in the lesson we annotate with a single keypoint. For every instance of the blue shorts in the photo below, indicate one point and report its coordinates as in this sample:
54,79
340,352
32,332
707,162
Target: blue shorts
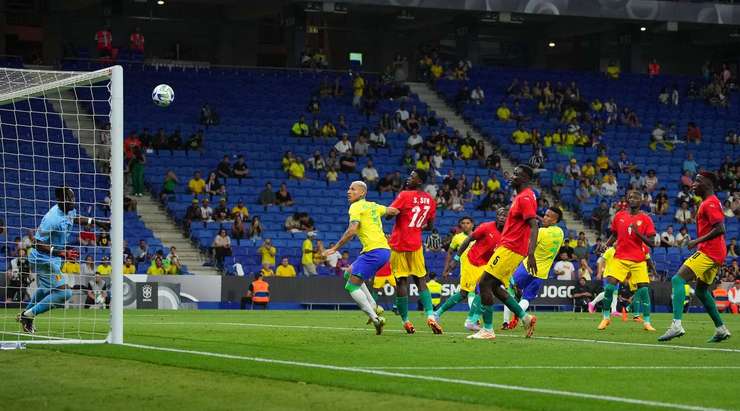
48,275
528,284
368,263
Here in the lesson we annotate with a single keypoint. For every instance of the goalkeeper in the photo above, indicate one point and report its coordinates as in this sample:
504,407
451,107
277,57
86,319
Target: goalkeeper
46,256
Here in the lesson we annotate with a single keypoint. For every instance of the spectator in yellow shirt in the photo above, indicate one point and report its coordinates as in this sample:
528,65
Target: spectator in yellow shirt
157,267
71,267
328,130
300,128
307,253
129,267
266,270
521,136
547,140
436,70
503,113
285,269
493,184
597,105
613,71
296,169
105,268
569,115
570,139
196,185
358,89
602,161
268,252
240,209
423,163
466,151
557,137
588,170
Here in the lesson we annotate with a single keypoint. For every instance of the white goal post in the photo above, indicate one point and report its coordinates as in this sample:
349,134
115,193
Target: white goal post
62,128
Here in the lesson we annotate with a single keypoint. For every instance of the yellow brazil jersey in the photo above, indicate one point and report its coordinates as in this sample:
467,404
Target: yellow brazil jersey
129,269
370,231
104,269
549,241
457,241
307,257
70,267
285,271
608,254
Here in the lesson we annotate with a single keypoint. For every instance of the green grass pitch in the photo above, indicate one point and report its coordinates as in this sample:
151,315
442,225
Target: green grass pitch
283,360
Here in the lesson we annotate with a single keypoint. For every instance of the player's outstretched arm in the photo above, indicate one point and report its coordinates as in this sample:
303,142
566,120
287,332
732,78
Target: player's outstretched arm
47,248
391,212
346,237
717,230
80,220
609,242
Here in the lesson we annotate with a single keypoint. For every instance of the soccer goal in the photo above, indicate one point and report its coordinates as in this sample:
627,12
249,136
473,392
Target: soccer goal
61,129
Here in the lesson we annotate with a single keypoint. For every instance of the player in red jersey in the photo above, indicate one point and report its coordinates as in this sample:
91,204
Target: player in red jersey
473,259
414,210
518,240
632,230
705,263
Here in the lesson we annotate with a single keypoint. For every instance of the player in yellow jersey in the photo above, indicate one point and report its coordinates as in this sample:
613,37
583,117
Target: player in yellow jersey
602,268
365,223
465,224
550,238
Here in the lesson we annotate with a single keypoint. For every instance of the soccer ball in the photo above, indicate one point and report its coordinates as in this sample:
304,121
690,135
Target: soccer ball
163,95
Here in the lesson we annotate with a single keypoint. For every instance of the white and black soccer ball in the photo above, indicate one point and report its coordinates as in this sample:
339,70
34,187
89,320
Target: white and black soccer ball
163,95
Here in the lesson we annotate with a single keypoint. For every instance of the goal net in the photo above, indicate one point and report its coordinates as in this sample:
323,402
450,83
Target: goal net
61,129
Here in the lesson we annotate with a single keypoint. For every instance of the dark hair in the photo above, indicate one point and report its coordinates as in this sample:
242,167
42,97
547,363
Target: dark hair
711,177
465,218
557,211
61,193
421,175
527,169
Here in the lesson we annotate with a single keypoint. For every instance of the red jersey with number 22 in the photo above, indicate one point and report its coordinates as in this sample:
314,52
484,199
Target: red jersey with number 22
629,245
486,238
416,209
516,231
709,214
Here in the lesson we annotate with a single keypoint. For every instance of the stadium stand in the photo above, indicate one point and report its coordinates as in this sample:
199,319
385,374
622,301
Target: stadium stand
635,91
257,109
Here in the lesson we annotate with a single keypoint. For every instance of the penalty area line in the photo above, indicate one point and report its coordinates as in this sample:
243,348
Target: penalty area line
355,370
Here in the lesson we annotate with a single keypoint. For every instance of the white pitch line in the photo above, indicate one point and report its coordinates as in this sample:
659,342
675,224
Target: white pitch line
560,367
536,337
544,391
